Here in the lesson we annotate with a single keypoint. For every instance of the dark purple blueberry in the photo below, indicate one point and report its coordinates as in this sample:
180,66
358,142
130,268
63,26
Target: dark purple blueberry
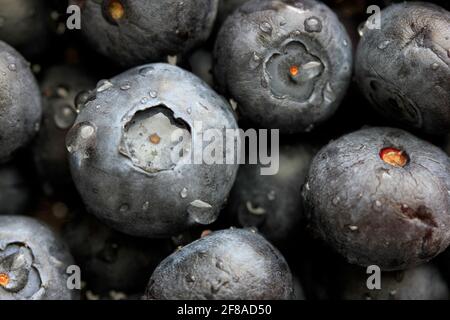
20,102
234,264
381,196
133,32
272,203
33,262
286,63
122,151
403,68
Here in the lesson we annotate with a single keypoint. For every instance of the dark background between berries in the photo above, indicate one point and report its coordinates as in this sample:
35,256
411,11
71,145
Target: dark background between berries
39,185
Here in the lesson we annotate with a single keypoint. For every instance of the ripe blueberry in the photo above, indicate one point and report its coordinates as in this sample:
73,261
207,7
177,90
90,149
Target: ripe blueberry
272,203
286,63
33,261
133,32
381,196
403,68
229,264
20,102
124,144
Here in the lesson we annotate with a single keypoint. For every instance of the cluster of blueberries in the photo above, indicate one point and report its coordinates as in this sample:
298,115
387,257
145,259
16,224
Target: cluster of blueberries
86,178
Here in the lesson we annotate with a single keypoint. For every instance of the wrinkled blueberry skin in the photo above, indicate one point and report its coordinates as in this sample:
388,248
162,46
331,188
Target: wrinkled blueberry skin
258,44
424,282
25,25
149,31
374,213
404,68
35,261
234,264
272,204
163,200
60,86
15,193
111,260
20,102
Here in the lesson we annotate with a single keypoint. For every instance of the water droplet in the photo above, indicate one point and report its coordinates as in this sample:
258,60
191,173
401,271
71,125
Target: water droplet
184,193
313,24
383,45
336,200
124,208
255,210
190,278
83,98
201,212
328,93
86,131
266,27
145,206
64,117
125,87
353,228
144,100
271,195
378,203
153,94
189,110
12,67
361,29
219,265
172,60
307,187
345,43
145,71
62,91
104,85
255,61
435,66
309,128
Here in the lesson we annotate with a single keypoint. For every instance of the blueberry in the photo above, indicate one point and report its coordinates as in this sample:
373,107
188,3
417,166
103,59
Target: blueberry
20,102
24,25
230,264
272,203
381,196
403,68
33,261
286,63
424,282
15,193
60,86
122,151
133,32
111,260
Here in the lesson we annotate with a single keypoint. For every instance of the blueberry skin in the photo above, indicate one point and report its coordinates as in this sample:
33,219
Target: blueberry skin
234,264
149,30
424,282
272,204
227,7
127,180
35,261
256,48
374,213
24,25
111,260
20,102
15,193
404,68
60,86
